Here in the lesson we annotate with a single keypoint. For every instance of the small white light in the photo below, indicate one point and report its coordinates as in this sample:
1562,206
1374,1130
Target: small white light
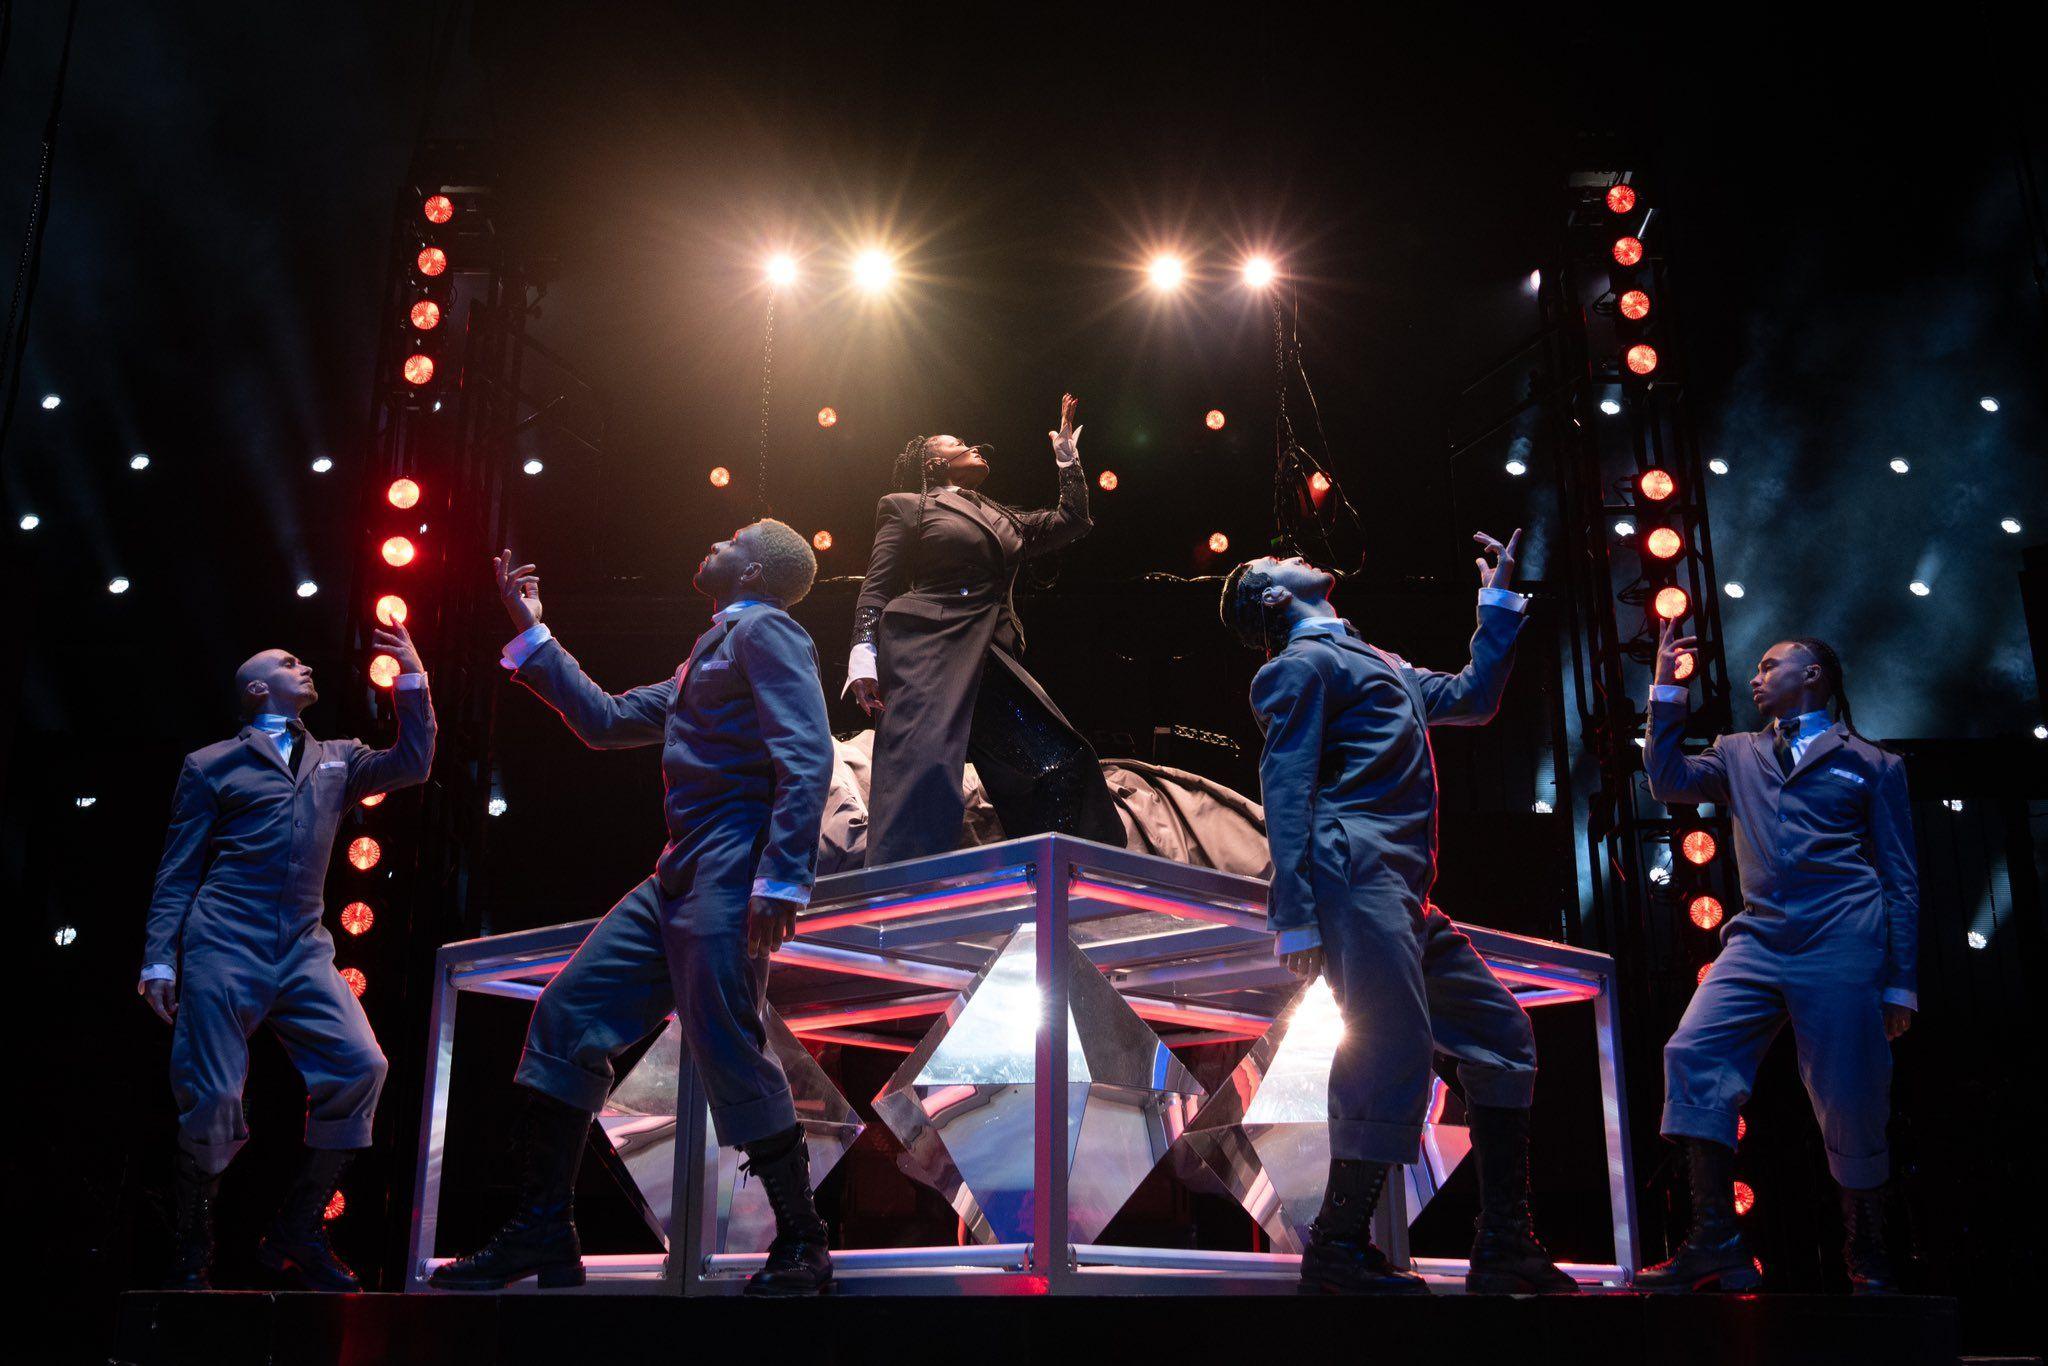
307,588
437,405
782,270
117,584
1918,589
1517,468
1899,465
2041,732
1952,803
2010,526
873,270
322,465
1642,742
1976,940
1718,465
533,467
1609,406
1259,272
1165,272
1733,589
1624,527
50,402
1660,875
1535,280
138,461
1540,807
29,521
497,806
83,802
1987,403
66,936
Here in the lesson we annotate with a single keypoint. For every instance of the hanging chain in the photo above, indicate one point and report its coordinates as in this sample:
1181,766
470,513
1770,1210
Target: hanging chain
767,388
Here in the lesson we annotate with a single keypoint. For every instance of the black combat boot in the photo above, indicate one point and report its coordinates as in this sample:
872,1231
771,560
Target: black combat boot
1863,1248
1506,1258
193,1193
297,1245
798,1262
1713,1254
1340,1258
540,1238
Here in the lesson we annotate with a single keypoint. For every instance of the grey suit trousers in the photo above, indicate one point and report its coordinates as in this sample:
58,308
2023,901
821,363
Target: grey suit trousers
651,955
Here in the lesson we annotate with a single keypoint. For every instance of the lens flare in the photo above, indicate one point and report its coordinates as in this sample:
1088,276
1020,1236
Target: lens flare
1166,273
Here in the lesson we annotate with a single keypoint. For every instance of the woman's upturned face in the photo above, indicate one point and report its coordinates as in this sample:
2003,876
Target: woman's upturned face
964,465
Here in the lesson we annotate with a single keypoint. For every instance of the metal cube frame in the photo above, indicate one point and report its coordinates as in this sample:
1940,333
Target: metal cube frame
1186,947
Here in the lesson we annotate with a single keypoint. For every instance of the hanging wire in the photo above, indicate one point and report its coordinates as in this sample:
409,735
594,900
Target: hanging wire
767,389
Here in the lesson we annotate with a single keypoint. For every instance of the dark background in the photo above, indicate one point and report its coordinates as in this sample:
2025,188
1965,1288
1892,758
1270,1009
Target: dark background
1845,217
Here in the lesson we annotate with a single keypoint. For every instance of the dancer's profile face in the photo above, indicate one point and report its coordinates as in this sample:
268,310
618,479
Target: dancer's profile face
1298,577
276,681
965,465
721,572
1784,679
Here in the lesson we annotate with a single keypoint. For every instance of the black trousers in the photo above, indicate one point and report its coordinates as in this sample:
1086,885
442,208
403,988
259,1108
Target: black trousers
1039,774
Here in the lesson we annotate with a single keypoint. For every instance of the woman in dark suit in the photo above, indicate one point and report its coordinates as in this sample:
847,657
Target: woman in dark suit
935,655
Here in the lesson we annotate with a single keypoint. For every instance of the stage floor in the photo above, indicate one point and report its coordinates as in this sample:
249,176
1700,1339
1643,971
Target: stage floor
225,1328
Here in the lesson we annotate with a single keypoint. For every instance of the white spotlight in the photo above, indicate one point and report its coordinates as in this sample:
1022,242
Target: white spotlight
1166,273
83,802
322,465
2041,732
1516,468
1609,406
1952,803
1535,281
50,402
29,521
782,269
1976,940
1259,272
2010,526
1660,875
138,461
533,467
1899,465
1918,589
873,270
1624,527
1718,465
1540,807
117,584
307,588
66,936
1987,403
1733,589
497,806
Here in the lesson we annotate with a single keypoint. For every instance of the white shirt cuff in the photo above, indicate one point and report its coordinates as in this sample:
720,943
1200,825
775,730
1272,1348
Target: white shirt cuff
157,972
521,647
1503,597
1669,692
1297,940
1900,996
1065,453
860,663
409,682
782,891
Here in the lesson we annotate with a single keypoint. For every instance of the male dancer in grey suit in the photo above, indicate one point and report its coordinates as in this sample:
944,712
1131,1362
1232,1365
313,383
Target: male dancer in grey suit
746,762
235,941
1828,939
1350,791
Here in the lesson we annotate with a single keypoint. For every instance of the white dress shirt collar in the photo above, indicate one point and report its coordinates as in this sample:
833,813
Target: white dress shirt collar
1318,626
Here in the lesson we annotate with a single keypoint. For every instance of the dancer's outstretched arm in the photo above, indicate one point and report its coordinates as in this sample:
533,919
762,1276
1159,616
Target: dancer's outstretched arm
600,719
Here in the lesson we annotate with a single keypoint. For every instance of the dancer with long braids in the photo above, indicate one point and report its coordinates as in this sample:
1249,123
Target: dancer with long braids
936,656
1827,940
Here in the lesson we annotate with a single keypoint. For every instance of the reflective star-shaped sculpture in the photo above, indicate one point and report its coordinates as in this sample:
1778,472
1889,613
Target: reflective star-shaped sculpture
962,1103
639,1118
1266,1136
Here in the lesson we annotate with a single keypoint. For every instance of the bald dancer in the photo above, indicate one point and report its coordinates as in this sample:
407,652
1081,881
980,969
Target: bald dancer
235,941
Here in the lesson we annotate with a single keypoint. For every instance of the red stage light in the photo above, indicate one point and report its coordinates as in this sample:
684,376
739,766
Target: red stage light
1319,483
1215,419
398,552
384,671
1634,304
1106,481
827,416
1657,485
357,917
720,477
357,983
1699,847
391,610
1745,1198
1219,543
338,1206
432,261
1642,358
1705,912
363,853
426,315
1700,977
1741,1128
375,799
439,208
1620,199
1672,603
1664,542
418,368
1627,251
402,494
1683,667
822,541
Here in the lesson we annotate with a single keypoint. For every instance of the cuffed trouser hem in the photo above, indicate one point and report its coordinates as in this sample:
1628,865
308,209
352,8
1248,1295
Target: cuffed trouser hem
574,1086
338,1134
753,1120
1860,1173
212,1158
1504,1088
1695,1121
1369,1140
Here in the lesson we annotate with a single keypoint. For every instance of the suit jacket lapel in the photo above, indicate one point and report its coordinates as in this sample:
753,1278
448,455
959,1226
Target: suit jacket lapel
309,758
952,497
1824,744
265,748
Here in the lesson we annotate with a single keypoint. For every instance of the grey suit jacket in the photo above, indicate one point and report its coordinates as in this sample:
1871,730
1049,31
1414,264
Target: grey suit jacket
1827,851
1346,771
249,839
742,729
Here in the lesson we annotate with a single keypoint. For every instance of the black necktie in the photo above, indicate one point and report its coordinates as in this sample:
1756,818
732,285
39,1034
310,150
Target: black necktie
1781,741
297,733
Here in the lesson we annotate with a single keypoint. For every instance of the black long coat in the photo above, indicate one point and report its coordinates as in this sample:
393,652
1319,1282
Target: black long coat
938,601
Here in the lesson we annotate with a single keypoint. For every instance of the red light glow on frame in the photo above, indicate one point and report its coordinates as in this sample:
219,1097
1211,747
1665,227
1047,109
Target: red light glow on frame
338,1206
357,983
720,477
1627,251
391,610
1664,543
1700,978
1620,198
1672,603
1745,1198
1683,669
821,541
375,799
357,917
1106,481
1214,419
1705,912
1641,358
426,315
363,853
1657,485
402,494
398,552
439,208
1699,848
432,261
1634,305
1218,543
384,670
828,417
418,368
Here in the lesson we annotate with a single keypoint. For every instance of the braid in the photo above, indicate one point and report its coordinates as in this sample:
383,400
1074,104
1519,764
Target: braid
1831,669
1243,611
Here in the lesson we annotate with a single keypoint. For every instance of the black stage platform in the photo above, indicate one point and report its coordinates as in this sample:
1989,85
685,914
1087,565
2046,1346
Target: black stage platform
225,1328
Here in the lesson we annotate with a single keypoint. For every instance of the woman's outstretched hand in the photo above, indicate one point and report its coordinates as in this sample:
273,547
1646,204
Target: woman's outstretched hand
1066,441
